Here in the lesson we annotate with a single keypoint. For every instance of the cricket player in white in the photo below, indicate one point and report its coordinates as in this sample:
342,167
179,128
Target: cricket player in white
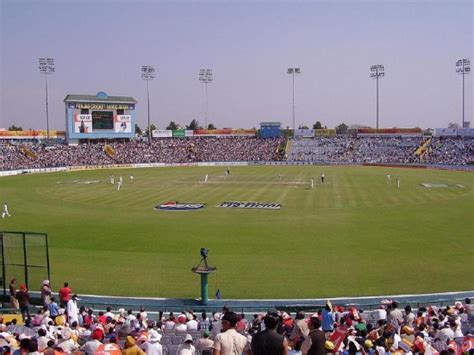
112,179
322,178
5,211
279,176
120,180
398,182
312,183
206,177
389,179
132,178
119,185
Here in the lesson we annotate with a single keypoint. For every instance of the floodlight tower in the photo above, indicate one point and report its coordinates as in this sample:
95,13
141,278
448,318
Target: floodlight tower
377,71
205,77
46,66
463,68
293,72
148,73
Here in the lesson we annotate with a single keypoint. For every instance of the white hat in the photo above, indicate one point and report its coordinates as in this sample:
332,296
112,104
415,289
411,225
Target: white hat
188,337
154,336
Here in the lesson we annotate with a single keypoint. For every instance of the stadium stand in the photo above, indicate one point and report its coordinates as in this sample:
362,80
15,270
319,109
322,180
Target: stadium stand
389,329
449,151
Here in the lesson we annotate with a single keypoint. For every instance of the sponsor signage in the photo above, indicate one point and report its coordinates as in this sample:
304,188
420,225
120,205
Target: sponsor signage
162,133
304,132
253,205
188,133
178,133
178,206
123,124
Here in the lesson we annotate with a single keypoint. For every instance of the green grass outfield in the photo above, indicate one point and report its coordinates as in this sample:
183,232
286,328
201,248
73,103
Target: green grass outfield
355,235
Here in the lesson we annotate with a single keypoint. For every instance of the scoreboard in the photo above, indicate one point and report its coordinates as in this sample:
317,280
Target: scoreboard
100,116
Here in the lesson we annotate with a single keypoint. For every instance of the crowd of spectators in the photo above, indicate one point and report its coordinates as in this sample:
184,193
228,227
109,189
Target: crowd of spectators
382,150
340,149
164,150
62,325
67,327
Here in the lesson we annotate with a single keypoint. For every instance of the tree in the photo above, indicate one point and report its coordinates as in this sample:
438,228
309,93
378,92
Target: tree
15,128
193,125
453,125
303,126
317,125
138,130
211,126
342,128
172,126
152,128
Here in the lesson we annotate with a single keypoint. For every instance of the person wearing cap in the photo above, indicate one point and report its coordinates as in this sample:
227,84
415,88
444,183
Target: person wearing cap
180,327
46,292
229,342
153,346
313,344
93,343
269,342
67,344
192,323
131,347
204,343
187,347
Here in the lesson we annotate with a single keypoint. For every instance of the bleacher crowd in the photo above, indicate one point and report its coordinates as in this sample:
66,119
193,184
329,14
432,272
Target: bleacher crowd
387,150
451,151
182,150
64,326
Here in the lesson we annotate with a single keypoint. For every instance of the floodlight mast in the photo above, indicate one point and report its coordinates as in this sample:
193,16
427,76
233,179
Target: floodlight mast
377,71
46,66
463,68
148,73
205,77
293,72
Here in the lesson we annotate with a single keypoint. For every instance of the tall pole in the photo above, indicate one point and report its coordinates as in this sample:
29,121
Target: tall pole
206,77
293,72
206,105
148,113
294,120
464,67
148,73
46,66
376,72
47,108
377,103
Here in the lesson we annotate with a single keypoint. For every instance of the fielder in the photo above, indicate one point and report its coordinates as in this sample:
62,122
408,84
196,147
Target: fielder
322,178
112,179
132,178
312,183
5,211
206,177
398,182
389,179
119,185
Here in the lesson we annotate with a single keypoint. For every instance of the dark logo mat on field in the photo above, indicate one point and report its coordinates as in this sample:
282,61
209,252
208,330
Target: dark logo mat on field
256,205
178,206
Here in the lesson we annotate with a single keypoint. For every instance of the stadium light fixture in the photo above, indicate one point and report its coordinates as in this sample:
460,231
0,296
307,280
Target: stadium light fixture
463,67
377,71
293,72
205,77
148,73
46,66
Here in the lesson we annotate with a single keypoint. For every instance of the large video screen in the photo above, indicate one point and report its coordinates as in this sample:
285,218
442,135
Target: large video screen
102,120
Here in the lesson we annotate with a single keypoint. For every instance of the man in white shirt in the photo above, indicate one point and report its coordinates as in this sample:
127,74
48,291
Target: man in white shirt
229,342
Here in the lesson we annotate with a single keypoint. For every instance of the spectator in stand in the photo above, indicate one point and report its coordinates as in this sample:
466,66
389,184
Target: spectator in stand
300,329
153,346
313,344
229,342
269,342
131,347
73,310
204,322
23,297
46,292
64,295
13,300
187,347
328,318
204,344
91,346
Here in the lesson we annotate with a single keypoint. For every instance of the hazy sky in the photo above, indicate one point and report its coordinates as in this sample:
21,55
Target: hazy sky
100,45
